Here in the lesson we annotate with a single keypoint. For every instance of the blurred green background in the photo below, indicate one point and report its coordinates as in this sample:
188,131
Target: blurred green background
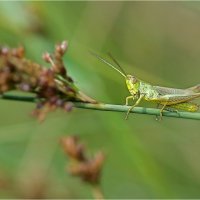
157,41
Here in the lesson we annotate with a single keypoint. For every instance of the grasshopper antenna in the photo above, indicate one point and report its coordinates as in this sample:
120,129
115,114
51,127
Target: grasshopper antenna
109,64
117,63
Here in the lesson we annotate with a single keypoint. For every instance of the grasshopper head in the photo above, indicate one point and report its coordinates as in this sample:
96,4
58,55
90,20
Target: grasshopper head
131,81
132,84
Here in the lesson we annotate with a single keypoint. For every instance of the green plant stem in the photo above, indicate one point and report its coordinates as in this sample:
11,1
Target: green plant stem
114,108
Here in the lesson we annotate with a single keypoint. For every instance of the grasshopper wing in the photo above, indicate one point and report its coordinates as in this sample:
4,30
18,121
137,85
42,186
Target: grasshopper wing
173,96
195,88
167,91
174,99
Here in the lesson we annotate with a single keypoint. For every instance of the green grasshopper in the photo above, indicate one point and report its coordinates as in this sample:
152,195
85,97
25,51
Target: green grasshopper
166,97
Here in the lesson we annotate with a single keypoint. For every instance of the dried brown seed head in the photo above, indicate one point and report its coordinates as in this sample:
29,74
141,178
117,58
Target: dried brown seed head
73,148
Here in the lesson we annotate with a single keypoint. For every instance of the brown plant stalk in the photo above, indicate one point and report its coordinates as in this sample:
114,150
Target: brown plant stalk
86,168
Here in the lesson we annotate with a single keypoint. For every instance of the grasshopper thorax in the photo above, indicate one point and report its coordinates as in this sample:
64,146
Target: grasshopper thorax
132,84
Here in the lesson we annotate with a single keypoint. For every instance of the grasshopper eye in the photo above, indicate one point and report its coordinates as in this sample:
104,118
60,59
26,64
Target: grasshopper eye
132,79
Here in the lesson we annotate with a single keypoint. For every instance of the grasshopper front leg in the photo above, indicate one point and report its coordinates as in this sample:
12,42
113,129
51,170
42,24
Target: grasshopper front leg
131,108
127,98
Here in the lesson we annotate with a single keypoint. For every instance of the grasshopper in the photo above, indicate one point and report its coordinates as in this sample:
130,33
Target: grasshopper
168,98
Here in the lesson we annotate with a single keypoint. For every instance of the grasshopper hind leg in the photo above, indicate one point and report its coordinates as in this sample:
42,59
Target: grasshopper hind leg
171,109
167,108
157,118
161,111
